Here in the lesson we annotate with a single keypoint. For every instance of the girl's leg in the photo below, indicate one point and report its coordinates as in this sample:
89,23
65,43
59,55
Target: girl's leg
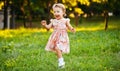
58,52
60,58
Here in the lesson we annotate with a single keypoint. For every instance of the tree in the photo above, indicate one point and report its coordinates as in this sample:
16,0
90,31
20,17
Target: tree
105,7
29,9
74,6
101,7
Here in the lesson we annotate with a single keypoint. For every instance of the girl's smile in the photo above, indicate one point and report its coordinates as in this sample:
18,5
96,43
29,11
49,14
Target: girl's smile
57,17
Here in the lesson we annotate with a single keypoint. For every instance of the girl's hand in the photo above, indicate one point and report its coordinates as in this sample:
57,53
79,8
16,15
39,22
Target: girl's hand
43,22
73,30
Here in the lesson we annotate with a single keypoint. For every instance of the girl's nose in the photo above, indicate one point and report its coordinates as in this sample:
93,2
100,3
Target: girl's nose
55,14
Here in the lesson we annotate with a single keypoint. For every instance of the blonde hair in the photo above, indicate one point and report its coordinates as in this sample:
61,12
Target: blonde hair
60,6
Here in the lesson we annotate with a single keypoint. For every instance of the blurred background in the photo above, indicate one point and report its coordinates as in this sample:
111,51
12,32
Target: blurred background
94,47
29,13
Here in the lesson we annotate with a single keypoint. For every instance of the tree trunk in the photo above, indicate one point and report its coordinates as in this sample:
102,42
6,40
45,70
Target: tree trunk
30,11
24,16
76,19
106,19
30,20
12,18
5,14
24,20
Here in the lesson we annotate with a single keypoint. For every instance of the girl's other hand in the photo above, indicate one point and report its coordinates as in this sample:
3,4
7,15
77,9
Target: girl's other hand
73,30
43,22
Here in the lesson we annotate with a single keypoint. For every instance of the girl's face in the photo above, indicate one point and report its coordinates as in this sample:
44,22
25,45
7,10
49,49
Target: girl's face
58,13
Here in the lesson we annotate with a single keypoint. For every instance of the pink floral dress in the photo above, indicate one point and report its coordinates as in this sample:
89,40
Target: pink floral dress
59,37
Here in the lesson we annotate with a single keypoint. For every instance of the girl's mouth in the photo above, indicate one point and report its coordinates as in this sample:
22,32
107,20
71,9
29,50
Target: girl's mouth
57,16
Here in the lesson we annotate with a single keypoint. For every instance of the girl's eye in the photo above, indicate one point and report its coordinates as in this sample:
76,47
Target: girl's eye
56,11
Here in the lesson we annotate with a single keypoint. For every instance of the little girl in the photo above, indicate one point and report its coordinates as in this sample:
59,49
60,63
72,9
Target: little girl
59,41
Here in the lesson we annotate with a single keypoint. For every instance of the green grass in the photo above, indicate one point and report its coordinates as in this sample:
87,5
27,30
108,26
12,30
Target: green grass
23,50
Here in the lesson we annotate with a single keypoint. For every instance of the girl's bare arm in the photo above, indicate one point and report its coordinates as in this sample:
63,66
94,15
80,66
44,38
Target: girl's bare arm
70,27
44,23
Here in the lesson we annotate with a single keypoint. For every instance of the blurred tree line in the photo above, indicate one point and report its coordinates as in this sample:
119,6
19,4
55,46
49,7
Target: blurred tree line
29,10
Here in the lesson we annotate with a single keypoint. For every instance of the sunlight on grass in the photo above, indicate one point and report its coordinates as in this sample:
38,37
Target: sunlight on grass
8,33
5,33
95,28
89,29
